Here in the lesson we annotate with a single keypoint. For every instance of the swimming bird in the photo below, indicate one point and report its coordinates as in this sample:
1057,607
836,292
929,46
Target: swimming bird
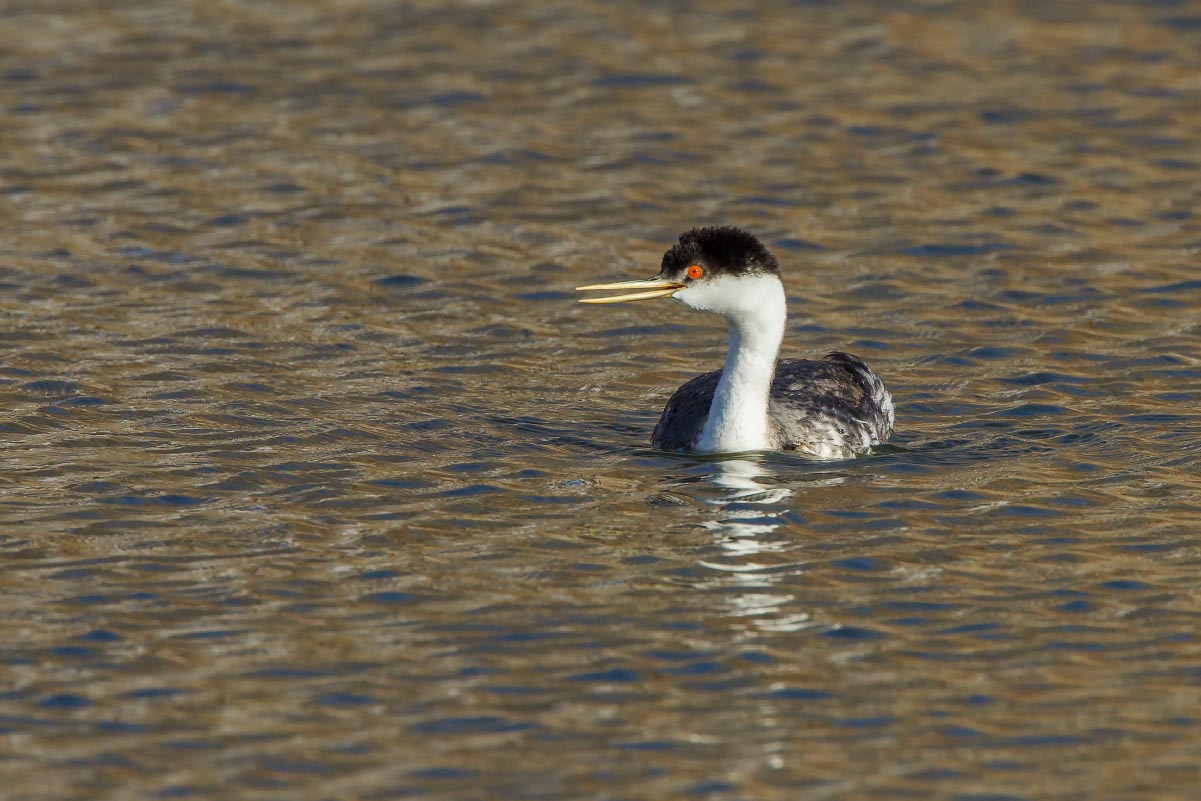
832,408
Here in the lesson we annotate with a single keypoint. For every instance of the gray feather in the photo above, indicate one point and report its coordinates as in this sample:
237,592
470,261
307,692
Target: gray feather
835,406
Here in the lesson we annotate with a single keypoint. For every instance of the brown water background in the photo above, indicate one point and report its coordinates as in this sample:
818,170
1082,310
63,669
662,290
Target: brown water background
316,483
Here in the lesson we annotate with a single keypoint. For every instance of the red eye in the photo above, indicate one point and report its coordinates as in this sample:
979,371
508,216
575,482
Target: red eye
695,271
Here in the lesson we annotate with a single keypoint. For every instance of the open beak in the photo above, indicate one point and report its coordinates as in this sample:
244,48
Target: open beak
651,288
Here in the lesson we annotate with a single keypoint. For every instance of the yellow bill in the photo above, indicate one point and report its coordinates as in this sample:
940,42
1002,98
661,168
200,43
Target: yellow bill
650,289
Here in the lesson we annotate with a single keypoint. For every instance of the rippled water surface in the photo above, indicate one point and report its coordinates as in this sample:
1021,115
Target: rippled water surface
317,483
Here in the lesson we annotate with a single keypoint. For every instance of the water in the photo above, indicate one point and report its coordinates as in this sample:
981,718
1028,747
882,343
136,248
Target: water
317,483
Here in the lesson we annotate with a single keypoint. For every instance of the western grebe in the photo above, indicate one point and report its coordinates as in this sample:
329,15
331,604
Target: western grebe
833,408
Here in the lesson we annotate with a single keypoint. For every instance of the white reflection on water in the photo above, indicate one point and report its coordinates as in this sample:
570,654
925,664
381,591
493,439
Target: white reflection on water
747,519
742,524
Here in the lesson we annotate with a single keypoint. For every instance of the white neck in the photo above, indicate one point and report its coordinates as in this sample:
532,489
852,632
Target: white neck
755,310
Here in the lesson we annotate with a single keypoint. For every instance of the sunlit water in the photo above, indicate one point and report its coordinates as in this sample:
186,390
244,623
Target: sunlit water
318,484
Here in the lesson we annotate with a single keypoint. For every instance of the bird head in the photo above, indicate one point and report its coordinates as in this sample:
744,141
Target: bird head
721,269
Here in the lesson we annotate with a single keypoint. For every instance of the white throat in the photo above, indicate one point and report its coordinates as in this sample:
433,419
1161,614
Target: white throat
754,309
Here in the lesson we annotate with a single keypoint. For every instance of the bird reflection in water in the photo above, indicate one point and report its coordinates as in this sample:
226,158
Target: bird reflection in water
749,513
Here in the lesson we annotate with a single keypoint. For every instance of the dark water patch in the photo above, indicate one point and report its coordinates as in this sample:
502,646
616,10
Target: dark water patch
873,722
1123,585
611,676
73,652
675,656
1027,411
647,745
990,178
82,400
950,250
249,273
799,694
993,353
1006,116
215,87
888,133
795,245
228,220
768,200
984,630
391,597
66,701
344,700
638,80
74,281
1155,547
699,668
517,158
1050,229
752,85
178,500
643,330
101,635
210,333
707,788
1165,418
544,295
877,291
1179,286
151,693
1186,23
1032,179
861,564
444,773
919,606
373,575
851,634
978,306
1044,377
160,255
442,100
399,281
485,724
401,483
